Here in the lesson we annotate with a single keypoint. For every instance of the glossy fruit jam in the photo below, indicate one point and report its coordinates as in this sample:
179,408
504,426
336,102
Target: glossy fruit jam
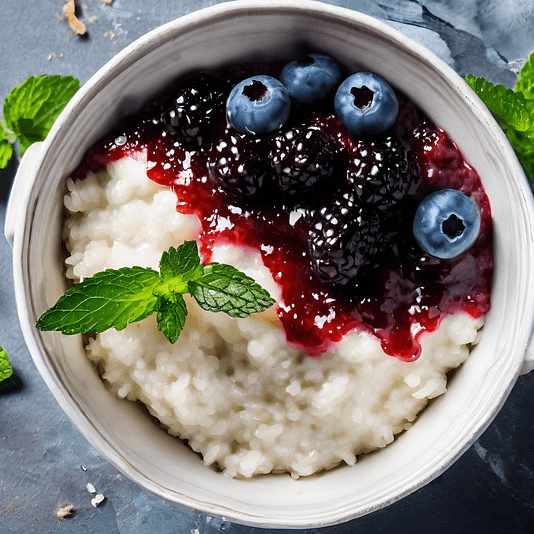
404,293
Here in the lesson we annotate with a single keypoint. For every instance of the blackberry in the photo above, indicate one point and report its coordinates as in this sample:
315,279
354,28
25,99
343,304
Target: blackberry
345,239
380,172
398,232
236,162
195,109
304,159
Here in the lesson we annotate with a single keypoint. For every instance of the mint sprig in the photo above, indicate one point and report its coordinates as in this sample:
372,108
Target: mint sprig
514,111
5,367
30,111
116,298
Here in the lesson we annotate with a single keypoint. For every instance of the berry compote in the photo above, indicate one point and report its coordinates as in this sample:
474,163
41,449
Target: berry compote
395,291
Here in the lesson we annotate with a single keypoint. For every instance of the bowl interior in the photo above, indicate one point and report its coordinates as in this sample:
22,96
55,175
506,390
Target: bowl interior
122,431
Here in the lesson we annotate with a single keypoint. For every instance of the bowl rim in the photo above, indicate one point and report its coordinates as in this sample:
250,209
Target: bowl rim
129,55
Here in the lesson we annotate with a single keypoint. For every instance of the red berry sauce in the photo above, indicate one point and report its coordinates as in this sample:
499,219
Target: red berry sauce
406,296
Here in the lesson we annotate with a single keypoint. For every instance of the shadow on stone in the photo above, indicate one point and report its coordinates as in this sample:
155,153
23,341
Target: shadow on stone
7,176
12,384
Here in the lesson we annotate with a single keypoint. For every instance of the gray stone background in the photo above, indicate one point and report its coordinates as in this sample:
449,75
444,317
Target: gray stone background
45,463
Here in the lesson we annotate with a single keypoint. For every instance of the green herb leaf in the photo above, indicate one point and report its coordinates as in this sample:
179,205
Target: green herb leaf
183,262
111,298
505,103
116,298
514,110
5,367
172,312
31,109
525,79
523,143
224,288
6,153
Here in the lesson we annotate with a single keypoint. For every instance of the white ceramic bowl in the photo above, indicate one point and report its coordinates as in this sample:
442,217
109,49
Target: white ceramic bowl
121,430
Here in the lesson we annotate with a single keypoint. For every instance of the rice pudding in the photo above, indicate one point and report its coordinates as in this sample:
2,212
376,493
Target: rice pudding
327,374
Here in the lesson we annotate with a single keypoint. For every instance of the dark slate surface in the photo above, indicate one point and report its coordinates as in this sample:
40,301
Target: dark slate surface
44,461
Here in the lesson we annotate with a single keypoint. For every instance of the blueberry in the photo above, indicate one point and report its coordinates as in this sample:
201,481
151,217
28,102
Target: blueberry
258,105
446,223
366,104
312,78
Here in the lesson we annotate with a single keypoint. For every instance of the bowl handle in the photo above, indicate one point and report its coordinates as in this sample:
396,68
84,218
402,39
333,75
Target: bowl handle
18,190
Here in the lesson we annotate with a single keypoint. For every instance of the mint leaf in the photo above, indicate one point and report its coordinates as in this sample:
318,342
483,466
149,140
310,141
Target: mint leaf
224,288
505,103
6,148
5,367
6,152
525,79
111,298
172,312
31,109
182,262
523,143
177,268
116,298
514,111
